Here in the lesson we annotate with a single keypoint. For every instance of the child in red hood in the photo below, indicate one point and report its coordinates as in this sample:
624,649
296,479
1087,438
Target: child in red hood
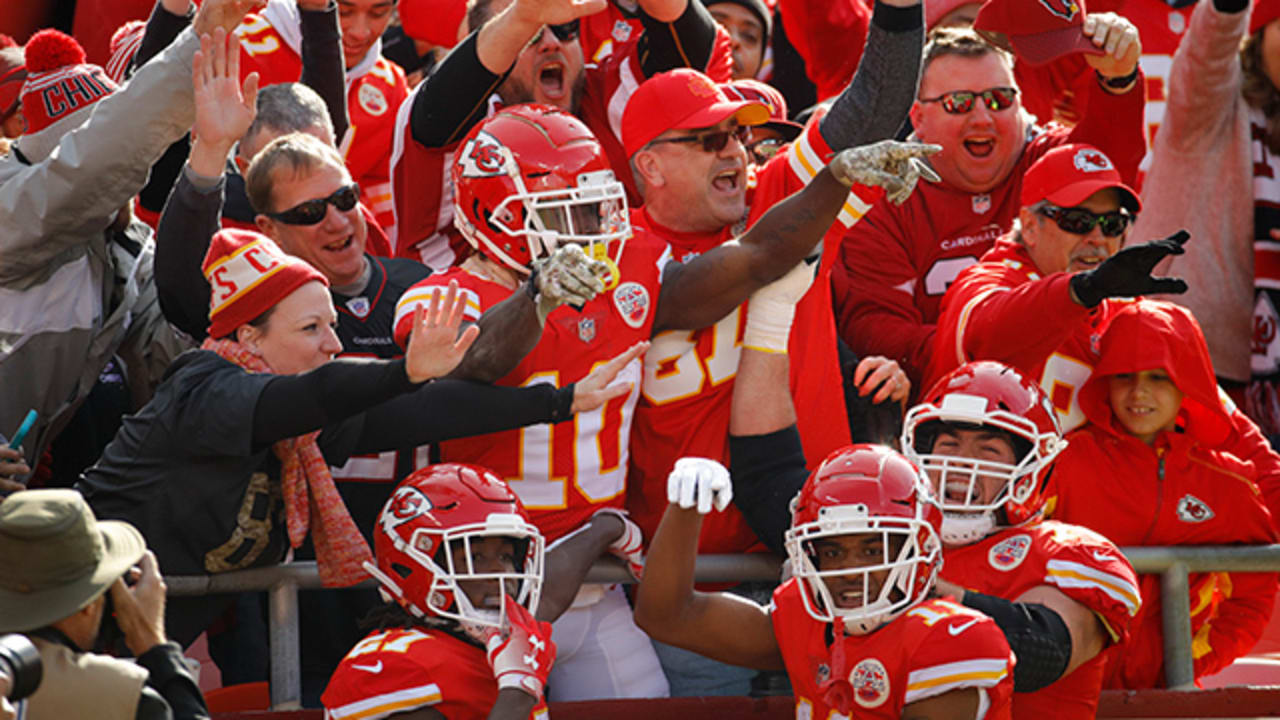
1146,470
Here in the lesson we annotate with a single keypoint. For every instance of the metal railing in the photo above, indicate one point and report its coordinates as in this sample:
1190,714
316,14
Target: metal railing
282,583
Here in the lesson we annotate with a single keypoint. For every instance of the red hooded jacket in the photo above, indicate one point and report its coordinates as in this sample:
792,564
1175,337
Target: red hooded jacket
1181,490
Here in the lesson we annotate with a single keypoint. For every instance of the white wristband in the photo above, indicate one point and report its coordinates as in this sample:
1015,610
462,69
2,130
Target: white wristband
768,325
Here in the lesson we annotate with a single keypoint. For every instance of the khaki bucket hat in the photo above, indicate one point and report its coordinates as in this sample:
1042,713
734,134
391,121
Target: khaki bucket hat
55,557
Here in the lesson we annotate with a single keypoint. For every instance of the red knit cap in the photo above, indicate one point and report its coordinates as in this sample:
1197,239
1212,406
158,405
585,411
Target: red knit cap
248,274
59,82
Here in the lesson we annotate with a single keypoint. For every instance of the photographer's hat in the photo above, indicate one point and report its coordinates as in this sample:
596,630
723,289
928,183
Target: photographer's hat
55,557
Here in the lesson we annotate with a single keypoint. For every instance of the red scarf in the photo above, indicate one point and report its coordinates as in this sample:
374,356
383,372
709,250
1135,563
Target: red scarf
311,499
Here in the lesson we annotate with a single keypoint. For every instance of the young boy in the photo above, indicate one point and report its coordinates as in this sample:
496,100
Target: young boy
1146,470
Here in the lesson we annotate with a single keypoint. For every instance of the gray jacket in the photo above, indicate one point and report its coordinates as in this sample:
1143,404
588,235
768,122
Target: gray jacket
73,293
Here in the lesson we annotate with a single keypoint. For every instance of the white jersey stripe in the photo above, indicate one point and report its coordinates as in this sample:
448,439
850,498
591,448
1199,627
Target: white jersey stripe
938,679
1066,574
387,704
422,295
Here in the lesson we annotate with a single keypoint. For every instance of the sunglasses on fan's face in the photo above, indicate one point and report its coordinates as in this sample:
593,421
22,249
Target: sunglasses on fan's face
959,102
564,32
712,141
1079,221
764,149
313,211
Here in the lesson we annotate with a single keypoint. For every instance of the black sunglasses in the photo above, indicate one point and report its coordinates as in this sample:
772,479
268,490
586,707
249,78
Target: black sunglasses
959,102
764,149
313,211
712,141
1079,221
564,32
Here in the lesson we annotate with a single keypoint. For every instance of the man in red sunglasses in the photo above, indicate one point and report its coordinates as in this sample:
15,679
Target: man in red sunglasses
895,266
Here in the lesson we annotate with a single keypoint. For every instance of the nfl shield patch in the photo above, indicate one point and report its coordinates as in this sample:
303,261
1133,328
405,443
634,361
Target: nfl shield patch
587,329
632,301
981,203
359,306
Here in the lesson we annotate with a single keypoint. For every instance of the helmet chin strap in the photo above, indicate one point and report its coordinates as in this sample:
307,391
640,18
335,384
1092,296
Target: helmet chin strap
966,528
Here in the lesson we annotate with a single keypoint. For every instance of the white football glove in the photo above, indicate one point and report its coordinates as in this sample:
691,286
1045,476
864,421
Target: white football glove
522,656
699,482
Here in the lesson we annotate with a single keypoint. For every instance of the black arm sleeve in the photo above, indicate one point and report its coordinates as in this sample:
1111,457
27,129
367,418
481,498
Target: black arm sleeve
186,226
322,63
454,98
686,42
767,470
875,103
170,691
448,409
291,405
162,27
1036,634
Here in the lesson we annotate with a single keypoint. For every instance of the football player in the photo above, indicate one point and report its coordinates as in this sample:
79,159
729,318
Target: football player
533,179
461,569
854,628
987,437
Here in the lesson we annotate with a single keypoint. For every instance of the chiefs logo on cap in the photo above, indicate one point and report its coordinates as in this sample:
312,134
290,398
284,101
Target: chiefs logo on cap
1065,9
701,86
1089,160
483,156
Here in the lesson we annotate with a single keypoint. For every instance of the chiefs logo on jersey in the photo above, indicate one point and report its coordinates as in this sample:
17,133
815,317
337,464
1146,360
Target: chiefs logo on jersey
483,156
372,100
406,504
870,683
1065,9
1009,553
1192,509
632,301
1092,161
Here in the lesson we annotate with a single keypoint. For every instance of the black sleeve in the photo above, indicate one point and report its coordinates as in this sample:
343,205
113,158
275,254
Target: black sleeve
322,63
767,470
170,691
875,103
292,405
686,42
186,226
1230,6
448,409
453,98
162,28
1036,634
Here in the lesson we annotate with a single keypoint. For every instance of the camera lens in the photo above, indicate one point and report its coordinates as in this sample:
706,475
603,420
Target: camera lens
20,660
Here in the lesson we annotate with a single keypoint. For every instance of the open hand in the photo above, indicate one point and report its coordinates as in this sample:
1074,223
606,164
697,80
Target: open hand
435,347
225,14
890,164
556,12
598,388
1128,272
224,108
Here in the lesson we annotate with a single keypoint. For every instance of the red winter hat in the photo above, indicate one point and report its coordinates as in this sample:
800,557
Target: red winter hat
1264,11
680,99
1066,176
1038,30
433,21
248,274
770,97
125,42
59,82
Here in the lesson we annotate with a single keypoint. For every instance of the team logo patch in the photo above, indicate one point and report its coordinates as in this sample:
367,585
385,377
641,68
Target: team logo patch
981,203
632,301
372,100
621,31
587,329
481,157
1065,9
1009,553
823,673
701,86
405,504
870,683
1091,160
1192,509
359,306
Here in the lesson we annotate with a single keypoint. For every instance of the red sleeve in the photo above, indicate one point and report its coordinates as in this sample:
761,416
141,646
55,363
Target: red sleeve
420,294
720,64
1248,443
1089,569
1239,620
1114,125
830,37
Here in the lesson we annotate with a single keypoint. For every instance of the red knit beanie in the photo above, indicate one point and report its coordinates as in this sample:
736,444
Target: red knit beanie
248,274
125,42
59,82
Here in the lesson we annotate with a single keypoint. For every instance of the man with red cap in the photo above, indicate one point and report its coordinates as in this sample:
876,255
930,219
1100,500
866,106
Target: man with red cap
13,73
896,265
1039,297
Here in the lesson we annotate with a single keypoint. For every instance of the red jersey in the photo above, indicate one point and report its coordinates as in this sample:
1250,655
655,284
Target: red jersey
896,266
398,671
688,375
830,37
1085,566
375,90
565,472
933,648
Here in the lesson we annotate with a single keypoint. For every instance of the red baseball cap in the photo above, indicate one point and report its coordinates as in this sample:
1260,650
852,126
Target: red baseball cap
681,99
1038,30
1264,11
1066,176
770,97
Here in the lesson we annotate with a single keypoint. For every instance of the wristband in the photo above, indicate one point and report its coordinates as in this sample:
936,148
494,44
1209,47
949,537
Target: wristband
1119,83
768,325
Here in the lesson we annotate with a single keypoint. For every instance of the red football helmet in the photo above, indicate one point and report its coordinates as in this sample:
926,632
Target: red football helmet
440,508
985,394
873,492
531,177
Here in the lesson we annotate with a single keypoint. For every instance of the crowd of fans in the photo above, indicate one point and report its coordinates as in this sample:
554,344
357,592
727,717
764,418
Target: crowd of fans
463,296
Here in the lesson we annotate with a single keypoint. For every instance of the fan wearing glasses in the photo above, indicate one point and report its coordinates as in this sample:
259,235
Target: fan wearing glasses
1043,291
528,51
895,267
